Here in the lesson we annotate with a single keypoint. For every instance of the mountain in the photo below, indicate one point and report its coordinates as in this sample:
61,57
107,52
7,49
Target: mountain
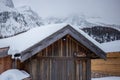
103,34
14,21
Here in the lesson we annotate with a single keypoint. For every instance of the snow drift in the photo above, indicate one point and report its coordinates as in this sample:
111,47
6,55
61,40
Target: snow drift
14,74
107,78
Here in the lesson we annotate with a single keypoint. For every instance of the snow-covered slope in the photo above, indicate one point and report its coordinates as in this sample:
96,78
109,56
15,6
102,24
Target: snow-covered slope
103,34
14,21
7,3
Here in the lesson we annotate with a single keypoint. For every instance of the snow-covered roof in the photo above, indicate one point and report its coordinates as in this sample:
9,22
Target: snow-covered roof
24,41
14,74
113,46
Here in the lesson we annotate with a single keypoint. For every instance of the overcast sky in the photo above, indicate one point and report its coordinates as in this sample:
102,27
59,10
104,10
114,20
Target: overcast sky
102,8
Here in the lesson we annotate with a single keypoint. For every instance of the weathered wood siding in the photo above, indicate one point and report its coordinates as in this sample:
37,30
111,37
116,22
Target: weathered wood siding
5,63
58,62
111,66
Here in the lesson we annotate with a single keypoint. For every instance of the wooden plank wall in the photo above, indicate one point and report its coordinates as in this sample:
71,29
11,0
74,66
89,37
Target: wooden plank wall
57,69
57,62
5,63
111,66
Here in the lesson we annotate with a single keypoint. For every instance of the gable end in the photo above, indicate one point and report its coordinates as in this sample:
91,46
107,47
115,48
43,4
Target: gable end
58,35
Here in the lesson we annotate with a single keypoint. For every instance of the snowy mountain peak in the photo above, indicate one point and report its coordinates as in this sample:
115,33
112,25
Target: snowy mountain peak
14,21
7,3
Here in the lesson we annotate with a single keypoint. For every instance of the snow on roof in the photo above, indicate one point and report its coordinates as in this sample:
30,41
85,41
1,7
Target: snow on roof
25,40
14,74
113,46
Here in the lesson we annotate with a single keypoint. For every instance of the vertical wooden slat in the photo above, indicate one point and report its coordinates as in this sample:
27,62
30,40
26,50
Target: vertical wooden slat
50,69
71,48
64,46
38,69
84,69
77,71
65,61
30,67
88,69
52,49
61,48
68,40
41,70
81,69
46,50
67,46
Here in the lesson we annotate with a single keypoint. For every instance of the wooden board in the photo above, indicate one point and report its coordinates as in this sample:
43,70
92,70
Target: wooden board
110,66
5,63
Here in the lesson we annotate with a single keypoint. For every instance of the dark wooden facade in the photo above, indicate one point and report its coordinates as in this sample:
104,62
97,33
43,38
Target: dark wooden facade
65,59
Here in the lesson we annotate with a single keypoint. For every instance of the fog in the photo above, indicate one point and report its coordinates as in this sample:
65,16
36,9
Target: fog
108,9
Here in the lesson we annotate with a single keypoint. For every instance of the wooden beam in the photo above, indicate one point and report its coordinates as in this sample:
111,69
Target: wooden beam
88,69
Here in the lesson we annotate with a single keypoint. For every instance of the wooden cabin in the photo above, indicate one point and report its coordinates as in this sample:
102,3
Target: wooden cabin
64,54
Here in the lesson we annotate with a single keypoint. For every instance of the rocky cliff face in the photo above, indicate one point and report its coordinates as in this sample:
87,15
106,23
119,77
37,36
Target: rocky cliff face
14,21
7,3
